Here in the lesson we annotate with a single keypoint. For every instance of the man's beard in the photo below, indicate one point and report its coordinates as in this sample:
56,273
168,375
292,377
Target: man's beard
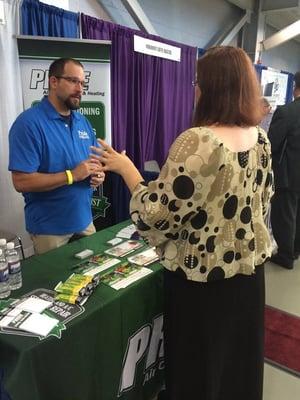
72,103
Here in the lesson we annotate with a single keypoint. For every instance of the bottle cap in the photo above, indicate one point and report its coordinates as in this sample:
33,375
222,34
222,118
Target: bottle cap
10,245
2,242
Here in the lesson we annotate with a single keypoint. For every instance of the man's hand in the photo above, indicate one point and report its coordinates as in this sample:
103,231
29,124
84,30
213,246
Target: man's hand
91,167
97,179
42,182
85,169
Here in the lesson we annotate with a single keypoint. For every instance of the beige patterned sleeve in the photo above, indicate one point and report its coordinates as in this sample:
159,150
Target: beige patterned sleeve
162,208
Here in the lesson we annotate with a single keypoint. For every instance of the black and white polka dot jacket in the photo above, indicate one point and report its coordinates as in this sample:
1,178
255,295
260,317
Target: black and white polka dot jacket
205,212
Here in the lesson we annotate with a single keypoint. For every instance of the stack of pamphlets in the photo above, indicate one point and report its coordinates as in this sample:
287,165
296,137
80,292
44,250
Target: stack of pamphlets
124,274
95,265
145,257
124,248
127,232
27,315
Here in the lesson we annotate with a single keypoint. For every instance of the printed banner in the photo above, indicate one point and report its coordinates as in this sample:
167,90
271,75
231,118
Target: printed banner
95,102
274,87
36,54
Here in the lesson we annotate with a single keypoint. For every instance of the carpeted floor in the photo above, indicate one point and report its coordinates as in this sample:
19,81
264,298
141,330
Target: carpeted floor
282,340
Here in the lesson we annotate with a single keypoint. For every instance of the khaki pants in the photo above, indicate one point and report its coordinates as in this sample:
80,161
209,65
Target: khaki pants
44,243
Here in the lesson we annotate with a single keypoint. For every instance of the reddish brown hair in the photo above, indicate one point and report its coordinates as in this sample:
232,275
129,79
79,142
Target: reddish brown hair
230,92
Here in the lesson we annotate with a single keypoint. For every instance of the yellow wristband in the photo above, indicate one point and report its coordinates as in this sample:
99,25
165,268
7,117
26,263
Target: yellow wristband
69,177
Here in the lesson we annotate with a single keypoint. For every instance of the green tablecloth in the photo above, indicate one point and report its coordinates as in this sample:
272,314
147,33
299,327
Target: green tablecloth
118,335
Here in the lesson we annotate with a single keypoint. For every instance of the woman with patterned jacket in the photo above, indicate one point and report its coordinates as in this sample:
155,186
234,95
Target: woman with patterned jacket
205,215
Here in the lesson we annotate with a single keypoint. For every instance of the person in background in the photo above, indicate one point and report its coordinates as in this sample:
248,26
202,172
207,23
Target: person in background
264,124
267,114
205,215
284,135
49,157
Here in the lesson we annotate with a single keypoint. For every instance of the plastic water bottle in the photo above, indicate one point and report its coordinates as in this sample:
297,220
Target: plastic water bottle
4,273
14,266
3,245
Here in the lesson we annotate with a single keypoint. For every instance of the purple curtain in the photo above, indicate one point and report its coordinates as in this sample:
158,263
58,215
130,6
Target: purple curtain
152,98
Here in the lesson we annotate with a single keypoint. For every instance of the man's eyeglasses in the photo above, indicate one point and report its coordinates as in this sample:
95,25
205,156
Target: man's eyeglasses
74,81
194,83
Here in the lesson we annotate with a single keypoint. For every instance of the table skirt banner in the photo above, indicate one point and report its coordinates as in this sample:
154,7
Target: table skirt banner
114,349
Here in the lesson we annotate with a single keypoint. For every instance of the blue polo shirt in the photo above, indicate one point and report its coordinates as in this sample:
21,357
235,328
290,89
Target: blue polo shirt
41,140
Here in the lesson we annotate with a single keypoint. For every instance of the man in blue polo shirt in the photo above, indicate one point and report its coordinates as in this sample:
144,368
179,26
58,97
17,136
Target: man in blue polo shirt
51,161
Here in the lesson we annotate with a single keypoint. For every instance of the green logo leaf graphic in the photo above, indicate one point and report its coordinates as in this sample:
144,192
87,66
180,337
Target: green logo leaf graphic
99,204
57,330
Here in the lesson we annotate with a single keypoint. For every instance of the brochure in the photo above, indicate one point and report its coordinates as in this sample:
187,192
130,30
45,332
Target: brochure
127,232
124,248
40,324
132,278
145,257
124,275
95,265
19,310
34,305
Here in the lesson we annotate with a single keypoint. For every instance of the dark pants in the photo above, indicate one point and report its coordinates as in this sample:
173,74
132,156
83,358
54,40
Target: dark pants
285,221
214,338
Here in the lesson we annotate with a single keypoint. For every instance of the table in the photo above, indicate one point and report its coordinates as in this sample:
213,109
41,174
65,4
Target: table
113,350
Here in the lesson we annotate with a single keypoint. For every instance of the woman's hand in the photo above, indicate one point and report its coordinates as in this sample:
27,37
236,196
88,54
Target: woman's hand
110,158
117,162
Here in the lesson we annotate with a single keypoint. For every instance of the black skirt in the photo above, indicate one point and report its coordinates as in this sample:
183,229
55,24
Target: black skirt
214,338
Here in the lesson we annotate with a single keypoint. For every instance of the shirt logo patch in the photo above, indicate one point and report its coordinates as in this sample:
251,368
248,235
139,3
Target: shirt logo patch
83,135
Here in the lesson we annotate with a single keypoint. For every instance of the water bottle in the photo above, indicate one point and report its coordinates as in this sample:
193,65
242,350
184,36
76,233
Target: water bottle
3,245
14,266
4,273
